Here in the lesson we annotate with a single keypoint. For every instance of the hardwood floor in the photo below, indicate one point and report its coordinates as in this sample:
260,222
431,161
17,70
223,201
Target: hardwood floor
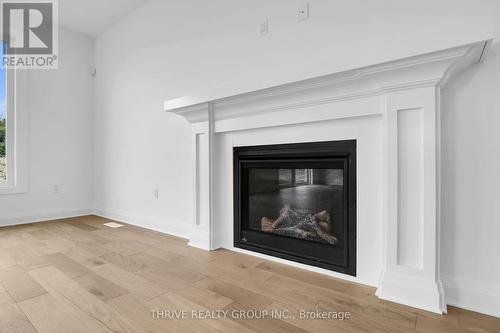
76,275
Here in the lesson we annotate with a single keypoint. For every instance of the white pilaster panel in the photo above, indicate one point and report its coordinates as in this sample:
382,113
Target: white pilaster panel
202,180
410,187
410,275
202,161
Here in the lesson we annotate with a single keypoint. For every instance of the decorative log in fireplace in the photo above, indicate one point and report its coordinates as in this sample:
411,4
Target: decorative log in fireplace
298,202
306,226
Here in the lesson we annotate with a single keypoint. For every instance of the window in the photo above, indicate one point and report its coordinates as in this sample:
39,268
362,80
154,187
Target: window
295,177
3,122
285,177
13,140
303,176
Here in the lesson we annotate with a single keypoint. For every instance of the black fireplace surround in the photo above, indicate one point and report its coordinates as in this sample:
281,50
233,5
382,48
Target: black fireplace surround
298,202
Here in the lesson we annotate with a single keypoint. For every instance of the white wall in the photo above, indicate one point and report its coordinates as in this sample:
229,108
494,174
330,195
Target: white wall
168,49
471,185
60,137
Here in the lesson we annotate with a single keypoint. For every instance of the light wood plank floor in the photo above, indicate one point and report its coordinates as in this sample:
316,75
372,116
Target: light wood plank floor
76,275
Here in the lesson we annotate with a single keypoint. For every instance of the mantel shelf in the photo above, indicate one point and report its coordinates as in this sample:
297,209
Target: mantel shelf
420,70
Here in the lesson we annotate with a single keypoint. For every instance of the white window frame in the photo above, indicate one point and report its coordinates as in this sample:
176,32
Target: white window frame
16,134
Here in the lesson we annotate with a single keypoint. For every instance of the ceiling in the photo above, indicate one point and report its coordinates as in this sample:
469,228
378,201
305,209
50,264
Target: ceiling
92,17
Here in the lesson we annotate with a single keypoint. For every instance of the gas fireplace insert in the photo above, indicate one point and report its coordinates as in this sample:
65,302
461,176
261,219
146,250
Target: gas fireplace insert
298,202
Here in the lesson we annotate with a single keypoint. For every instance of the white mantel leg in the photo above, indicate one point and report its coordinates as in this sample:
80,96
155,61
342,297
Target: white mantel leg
202,142
410,274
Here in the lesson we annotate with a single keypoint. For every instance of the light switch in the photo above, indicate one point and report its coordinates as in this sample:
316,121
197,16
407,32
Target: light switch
264,28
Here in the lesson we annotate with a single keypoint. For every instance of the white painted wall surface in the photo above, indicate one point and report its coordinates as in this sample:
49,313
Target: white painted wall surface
60,105
471,186
169,49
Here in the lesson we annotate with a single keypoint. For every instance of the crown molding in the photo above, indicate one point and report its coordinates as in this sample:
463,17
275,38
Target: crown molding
430,69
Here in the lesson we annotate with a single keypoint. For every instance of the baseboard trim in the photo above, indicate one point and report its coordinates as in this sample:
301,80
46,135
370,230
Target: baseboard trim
411,290
174,228
472,295
200,239
43,215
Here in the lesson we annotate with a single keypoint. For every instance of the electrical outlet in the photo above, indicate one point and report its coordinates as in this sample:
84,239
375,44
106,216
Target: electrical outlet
56,189
264,28
155,193
303,13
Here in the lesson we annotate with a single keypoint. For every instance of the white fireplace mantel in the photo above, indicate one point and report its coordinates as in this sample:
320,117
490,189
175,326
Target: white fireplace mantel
405,94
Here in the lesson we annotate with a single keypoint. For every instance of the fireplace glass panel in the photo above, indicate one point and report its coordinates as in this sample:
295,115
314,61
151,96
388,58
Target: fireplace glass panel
306,204
298,202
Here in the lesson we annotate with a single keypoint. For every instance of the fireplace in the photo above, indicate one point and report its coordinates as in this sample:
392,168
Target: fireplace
298,202
388,235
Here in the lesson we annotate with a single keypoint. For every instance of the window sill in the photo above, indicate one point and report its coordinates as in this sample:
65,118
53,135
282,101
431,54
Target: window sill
5,189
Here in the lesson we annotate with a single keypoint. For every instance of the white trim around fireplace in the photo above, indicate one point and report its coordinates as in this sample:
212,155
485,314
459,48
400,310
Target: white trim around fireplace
406,95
